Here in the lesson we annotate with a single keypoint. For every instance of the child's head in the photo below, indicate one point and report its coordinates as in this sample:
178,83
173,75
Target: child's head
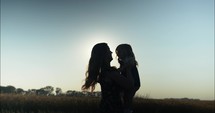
124,51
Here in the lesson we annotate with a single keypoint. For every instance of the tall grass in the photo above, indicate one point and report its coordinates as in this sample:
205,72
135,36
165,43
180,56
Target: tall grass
48,104
64,104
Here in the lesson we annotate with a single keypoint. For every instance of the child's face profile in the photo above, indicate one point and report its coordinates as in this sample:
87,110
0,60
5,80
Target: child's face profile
120,53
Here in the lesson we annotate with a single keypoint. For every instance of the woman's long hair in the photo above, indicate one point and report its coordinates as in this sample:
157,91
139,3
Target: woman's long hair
95,64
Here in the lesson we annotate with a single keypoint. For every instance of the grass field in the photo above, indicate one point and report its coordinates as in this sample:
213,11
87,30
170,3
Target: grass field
56,104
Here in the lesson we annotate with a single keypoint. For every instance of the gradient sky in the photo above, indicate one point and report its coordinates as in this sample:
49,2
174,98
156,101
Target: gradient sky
48,42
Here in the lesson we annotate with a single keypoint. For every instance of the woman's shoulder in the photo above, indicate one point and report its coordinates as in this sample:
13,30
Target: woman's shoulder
113,72
110,71
113,68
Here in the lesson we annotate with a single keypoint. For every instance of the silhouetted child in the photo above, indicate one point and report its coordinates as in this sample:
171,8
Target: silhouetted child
126,59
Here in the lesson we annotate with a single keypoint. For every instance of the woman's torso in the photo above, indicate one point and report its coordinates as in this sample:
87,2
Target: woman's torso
111,99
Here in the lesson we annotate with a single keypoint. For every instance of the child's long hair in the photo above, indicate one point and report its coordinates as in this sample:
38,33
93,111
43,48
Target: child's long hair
95,64
127,51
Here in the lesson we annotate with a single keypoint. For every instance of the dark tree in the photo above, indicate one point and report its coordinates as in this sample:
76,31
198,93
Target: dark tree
7,89
48,89
58,91
19,91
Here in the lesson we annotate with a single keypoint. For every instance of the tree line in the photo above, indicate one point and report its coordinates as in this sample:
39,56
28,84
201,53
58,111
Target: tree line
46,91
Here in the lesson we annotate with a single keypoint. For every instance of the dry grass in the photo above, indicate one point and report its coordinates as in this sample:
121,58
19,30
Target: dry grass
54,104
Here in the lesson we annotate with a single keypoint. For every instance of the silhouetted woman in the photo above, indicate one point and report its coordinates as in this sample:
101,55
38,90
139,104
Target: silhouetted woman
100,71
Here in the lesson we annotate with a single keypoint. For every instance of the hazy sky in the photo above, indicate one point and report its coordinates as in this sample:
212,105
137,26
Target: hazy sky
48,42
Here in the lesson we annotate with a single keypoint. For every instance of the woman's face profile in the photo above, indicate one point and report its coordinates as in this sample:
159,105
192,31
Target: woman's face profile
109,55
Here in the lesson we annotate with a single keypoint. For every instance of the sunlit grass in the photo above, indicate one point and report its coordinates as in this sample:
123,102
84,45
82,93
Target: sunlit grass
64,104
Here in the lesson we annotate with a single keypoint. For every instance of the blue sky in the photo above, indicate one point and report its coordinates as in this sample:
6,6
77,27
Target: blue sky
48,42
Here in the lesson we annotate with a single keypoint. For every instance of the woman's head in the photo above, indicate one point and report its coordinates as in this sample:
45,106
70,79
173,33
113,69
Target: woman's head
100,58
101,54
124,51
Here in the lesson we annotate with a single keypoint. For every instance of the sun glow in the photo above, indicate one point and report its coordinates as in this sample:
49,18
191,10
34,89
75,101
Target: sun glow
94,38
108,38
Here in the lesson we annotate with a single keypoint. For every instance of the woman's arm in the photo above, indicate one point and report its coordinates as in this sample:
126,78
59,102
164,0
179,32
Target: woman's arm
125,82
